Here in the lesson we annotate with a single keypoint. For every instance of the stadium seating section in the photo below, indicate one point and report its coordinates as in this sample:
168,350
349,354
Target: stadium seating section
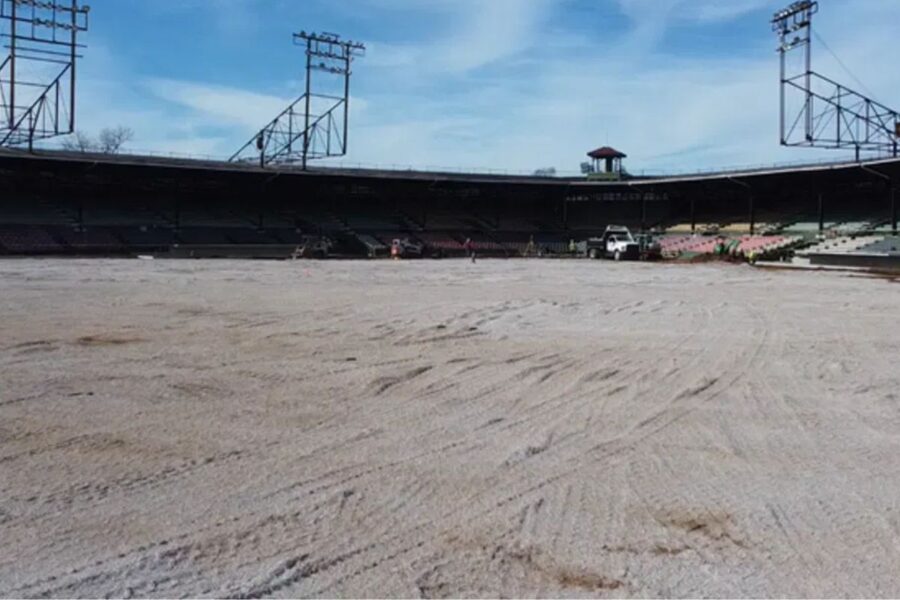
57,225
864,244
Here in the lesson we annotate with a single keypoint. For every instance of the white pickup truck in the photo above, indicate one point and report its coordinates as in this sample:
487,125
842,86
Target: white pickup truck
616,243
404,248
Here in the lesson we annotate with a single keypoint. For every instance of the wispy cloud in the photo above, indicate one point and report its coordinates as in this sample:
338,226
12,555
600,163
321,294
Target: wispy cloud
226,105
513,83
689,10
479,34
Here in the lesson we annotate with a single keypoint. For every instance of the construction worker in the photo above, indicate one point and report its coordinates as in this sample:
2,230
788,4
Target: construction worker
529,249
469,247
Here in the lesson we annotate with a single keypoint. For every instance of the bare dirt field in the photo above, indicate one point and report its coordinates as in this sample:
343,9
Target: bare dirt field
515,428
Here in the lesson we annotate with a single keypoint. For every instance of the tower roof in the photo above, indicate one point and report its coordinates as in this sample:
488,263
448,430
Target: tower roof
607,152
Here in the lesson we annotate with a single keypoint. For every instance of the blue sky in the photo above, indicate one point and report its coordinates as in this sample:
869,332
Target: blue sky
505,84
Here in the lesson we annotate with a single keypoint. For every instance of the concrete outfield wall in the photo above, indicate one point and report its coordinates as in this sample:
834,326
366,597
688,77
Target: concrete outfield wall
273,251
874,261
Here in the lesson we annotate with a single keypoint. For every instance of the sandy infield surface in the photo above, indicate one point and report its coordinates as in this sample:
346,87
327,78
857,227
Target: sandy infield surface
516,428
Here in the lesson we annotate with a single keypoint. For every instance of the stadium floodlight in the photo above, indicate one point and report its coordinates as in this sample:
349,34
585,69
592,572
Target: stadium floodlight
34,33
804,8
831,115
321,135
796,18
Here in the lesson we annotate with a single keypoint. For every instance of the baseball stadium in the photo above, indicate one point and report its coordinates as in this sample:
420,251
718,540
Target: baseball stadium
270,375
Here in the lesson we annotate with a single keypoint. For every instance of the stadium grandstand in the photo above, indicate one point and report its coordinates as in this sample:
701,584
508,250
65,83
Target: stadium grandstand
63,203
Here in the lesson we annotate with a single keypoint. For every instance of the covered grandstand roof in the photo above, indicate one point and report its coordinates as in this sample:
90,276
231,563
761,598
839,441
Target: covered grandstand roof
12,162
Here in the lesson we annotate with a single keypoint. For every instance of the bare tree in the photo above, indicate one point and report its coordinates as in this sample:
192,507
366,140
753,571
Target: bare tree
112,139
79,142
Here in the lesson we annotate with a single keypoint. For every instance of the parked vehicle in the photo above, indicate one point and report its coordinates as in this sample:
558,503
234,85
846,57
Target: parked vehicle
404,248
616,243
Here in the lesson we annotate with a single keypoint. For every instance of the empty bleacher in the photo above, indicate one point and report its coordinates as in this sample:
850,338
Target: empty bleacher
374,246
388,237
440,241
27,239
805,228
840,245
446,222
516,243
20,211
371,222
516,225
88,239
736,228
146,237
114,214
318,220
676,246
284,235
202,236
765,243
481,242
886,245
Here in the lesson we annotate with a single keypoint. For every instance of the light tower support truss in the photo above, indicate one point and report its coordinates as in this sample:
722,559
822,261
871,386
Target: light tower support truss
38,68
315,126
818,112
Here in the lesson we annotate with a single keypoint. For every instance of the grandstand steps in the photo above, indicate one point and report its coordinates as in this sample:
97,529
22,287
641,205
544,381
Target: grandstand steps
408,223
841,245
60,215
374,246
340,224
481,223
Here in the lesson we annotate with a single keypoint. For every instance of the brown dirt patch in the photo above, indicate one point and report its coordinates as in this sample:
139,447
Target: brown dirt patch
107,340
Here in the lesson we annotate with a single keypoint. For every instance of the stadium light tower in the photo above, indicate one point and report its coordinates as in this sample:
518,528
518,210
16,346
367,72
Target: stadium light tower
37,75
316,125
830,115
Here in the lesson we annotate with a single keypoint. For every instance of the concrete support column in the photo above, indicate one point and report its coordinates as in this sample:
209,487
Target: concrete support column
821,213
752,215
693,215
643,212
893,208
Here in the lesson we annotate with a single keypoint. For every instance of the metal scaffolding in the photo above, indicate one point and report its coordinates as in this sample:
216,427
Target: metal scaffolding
818,112
38,73
316,125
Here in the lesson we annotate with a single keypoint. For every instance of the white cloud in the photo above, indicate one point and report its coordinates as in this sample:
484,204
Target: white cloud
480,33
496,30
652,18
230,17
723,10
494,90
702,10
227,104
